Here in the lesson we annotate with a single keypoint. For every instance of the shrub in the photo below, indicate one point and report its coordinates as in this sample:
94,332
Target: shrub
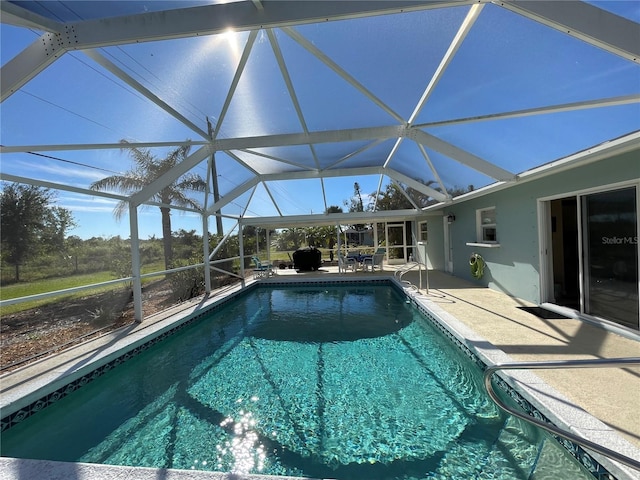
187,284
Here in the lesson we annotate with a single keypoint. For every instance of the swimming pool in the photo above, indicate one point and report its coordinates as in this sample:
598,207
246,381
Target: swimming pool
322,381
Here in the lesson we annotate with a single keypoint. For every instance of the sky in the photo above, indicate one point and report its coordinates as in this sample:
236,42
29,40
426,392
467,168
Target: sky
526,65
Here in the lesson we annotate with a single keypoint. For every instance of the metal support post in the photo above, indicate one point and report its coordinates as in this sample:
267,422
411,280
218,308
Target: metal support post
136,282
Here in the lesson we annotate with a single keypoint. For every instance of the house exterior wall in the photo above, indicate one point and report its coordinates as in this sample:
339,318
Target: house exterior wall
514,266
434,244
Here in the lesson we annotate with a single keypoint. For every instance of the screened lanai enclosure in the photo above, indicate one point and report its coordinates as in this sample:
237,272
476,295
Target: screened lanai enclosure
147,121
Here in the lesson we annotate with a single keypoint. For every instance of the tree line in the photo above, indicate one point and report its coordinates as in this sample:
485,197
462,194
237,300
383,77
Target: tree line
34,230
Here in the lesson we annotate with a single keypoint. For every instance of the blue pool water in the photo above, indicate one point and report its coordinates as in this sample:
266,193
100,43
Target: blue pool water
347,382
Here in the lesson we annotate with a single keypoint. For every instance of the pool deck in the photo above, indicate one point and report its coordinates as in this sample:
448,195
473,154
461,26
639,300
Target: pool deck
608,394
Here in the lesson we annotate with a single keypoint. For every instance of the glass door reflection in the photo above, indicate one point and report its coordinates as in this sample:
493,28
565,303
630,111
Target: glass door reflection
610,246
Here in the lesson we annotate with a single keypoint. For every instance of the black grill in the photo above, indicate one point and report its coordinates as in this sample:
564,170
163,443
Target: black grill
307,259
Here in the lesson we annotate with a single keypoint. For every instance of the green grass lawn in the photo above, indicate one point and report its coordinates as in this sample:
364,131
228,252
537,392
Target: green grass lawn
62,283
50,285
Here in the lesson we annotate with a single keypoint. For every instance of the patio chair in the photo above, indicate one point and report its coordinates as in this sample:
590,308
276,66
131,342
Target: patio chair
347,263
261,269
375,261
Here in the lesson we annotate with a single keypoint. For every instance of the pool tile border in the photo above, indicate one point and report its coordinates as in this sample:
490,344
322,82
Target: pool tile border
598,471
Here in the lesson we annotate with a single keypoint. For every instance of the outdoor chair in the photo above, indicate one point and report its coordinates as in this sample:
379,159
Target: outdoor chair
345,264
262,269
375,261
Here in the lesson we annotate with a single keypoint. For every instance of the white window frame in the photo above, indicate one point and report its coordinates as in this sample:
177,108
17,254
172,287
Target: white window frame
423,232
482,227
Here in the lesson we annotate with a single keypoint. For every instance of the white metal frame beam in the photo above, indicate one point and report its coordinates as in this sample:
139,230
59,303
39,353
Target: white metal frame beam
233,194
97,57
564,107
284,71
312,174
272,157
29,63
420,187
178,23
326,136
240,143
241,16
316,52
13,14
171,176
599,152
7,177
463,156
432,167
350,155
236,79
242,162
455,45
404,193
333,218
95,146
275,204
590,24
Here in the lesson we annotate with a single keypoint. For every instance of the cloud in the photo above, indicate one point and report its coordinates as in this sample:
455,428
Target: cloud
70,175
88,208
84,203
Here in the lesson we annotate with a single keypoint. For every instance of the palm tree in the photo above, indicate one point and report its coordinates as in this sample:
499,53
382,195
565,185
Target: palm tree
148,168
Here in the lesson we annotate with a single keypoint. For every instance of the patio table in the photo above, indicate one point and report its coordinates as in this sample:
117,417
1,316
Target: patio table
359,258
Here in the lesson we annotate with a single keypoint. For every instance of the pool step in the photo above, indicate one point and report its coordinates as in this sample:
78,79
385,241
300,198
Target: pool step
511,456
553,459
514,453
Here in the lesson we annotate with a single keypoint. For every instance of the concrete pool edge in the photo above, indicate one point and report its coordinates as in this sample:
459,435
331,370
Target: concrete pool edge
555,407
20,469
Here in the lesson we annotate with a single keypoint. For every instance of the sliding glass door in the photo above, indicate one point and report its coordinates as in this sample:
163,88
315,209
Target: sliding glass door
610,255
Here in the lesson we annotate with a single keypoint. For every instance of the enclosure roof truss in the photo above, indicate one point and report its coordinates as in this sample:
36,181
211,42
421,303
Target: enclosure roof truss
284,21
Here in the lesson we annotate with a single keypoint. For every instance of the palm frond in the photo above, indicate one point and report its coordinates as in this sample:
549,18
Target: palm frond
179,154
191,181
120,209
148,168
180,199
125,184
142,157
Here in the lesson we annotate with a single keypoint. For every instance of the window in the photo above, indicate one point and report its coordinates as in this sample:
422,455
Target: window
486,221
422,232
